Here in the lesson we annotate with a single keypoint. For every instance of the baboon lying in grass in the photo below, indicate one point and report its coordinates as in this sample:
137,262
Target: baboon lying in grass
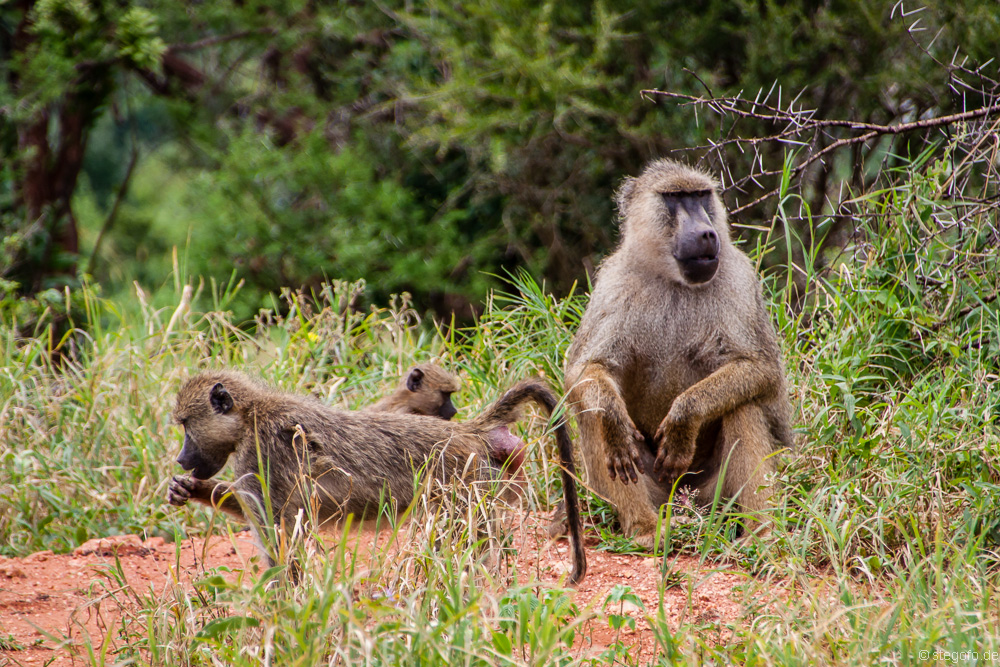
426,390
341,463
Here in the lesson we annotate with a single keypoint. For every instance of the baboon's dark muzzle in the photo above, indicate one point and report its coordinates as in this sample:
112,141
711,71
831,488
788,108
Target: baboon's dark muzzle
696,245
201,469
447,411
697,250
186,460
199,466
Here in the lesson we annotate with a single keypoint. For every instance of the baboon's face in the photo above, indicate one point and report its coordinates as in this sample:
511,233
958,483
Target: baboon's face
696,242
674,221
430,396
447,409
212,428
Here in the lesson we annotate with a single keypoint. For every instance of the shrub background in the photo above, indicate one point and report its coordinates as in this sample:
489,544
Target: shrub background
423,147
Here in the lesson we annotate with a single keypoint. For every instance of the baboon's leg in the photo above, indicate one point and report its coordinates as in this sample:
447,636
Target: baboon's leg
274,535
610,442
746,446
222,496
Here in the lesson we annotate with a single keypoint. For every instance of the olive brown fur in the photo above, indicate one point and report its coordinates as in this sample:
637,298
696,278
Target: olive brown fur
340,463
675,371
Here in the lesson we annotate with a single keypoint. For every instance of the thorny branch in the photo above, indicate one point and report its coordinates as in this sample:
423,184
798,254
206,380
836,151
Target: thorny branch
973,91
783,147
802,122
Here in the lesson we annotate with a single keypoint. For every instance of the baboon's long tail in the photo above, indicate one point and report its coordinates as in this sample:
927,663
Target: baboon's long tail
505,411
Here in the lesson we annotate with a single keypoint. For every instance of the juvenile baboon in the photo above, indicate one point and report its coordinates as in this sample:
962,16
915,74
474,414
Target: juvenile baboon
675,357
337,462
426,390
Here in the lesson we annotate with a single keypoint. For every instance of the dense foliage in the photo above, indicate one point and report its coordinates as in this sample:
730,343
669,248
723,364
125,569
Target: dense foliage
421,146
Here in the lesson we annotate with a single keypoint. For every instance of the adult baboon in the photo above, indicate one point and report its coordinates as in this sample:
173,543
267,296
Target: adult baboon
426,390
675,357
340,463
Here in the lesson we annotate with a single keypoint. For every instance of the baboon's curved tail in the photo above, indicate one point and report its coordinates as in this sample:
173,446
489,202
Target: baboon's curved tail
507,410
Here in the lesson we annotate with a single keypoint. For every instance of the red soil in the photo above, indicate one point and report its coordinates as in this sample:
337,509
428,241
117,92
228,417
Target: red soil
52,606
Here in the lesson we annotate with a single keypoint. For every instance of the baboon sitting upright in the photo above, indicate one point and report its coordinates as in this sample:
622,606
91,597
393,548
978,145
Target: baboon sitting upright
675,357
426,391
341,463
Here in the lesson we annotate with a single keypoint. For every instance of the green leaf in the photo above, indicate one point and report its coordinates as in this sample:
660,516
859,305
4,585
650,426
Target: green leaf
214,583
501,642
223,626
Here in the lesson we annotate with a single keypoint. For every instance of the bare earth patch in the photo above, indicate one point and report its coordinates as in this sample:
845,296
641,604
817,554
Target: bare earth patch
52,606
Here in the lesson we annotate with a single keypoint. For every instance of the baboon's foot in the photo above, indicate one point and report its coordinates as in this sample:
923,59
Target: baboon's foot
754,530
646,539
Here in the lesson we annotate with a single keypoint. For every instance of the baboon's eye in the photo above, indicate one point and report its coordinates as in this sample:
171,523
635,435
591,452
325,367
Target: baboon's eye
670,199
696,198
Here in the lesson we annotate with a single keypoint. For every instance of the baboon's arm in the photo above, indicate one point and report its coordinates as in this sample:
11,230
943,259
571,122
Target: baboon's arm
734,384
596,391
209,492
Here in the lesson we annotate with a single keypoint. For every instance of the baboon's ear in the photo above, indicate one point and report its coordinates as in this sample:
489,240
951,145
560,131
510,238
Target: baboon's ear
414,379
220,398
623,195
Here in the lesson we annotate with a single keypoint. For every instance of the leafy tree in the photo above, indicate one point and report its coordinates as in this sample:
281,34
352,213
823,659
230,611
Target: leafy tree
64,64
421,146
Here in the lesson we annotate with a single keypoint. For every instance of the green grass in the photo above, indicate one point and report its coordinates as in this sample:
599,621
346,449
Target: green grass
886,528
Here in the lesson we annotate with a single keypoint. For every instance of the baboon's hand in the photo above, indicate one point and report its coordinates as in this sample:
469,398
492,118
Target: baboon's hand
674,440
180,489
625,463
